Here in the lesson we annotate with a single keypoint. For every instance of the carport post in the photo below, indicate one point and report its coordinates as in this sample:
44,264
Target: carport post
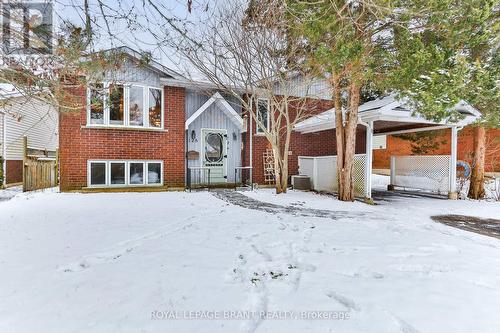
452,194
368,163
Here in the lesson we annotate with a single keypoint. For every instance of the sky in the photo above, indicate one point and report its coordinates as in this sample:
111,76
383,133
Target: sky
138,24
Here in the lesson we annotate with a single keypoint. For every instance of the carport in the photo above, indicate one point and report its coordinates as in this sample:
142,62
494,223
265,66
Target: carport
388,116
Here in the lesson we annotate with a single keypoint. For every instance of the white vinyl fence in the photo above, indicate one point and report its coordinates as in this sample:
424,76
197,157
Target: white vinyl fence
430,173
322,170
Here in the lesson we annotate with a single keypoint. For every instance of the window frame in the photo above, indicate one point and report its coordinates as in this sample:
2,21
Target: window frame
89,173
258,130
146,171
143,174
126,105
107,173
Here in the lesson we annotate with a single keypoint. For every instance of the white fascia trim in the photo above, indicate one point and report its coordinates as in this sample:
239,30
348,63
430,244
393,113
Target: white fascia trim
201,85
227,109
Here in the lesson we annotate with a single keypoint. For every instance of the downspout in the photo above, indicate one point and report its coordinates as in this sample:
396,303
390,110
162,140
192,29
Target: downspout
4,151
251,145
185,158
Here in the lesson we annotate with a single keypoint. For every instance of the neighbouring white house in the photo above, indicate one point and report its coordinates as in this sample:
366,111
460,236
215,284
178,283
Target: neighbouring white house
22,116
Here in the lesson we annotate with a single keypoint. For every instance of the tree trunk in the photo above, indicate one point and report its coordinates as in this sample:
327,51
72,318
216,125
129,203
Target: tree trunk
277,170
476,188
339,132
347,172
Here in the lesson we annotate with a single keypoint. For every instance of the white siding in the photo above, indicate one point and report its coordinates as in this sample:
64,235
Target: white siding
34,119
379,142
301,87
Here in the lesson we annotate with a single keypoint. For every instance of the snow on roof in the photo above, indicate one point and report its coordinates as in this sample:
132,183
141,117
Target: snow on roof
7,90
387,108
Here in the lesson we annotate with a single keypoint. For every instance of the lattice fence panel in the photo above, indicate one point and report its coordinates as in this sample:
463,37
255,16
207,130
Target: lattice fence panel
359,174
323,172
421,172
268,159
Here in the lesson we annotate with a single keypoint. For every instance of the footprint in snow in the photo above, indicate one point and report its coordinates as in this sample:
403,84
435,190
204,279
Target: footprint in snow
345,301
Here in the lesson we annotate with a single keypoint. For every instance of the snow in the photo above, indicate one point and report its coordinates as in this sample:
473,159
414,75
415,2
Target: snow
126,261
10,192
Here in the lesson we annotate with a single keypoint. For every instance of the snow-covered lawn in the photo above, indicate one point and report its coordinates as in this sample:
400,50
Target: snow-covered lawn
106,262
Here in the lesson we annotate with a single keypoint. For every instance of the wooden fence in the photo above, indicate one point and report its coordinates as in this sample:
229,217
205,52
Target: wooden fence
39,171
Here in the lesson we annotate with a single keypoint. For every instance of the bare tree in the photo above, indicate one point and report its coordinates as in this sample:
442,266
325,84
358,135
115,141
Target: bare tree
246,54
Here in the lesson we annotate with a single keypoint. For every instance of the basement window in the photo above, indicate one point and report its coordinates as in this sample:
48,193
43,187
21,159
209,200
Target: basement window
97,173
122,173
124,105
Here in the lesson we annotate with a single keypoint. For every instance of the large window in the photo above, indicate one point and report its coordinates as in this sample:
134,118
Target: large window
124,105
96,103
125,173
116,104
136,106
262,114
155,97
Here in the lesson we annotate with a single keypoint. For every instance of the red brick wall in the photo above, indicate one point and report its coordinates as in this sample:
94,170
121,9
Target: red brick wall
78,144
397,147
312,144
14,172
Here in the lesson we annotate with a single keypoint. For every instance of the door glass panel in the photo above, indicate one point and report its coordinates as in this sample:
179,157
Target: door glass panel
213,147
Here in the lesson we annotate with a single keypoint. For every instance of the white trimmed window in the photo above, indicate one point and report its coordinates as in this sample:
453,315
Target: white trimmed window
129,105
113,173
262,114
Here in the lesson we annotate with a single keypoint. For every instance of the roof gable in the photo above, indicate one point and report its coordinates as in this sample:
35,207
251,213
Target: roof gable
224,106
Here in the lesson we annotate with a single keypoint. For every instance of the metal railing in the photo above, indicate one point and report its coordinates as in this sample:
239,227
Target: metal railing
198,177
245,176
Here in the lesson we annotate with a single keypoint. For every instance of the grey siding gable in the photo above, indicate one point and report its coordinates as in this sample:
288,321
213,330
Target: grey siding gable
213,118
131,72
298,86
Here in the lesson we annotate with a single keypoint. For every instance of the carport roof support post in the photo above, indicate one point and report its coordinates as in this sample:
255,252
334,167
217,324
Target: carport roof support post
452,194
368,164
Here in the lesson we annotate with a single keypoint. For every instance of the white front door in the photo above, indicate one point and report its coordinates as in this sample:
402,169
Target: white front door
214,154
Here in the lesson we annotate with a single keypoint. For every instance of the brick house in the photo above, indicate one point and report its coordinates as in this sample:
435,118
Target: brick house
147,127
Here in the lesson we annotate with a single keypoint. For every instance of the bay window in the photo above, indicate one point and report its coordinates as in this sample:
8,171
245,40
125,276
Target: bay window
114,173
128,105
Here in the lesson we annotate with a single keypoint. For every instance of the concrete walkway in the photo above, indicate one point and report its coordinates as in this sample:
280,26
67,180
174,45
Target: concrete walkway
239,199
